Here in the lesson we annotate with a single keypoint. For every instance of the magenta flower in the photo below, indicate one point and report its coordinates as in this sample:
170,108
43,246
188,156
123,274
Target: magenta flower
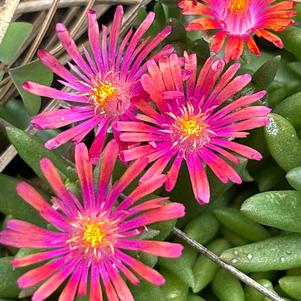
92,237
194,119
104,83
237,21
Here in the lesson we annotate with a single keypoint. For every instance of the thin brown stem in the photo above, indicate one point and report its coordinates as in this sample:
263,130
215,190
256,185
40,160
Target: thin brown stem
238,274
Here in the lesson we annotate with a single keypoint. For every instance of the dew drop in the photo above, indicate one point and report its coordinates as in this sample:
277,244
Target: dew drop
55,207
236,252
289,252
250,256
234,260
272,127
282,259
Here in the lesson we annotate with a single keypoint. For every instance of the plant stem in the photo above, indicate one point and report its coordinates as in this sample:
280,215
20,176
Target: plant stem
244,278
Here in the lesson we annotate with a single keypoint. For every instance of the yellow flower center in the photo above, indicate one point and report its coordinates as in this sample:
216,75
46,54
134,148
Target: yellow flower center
238,5
93,235
191,128
102,92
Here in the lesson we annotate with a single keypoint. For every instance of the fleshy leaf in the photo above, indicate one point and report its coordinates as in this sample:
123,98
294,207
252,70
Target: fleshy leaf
32,151
15,36
277,253
12,204
35,72
279,209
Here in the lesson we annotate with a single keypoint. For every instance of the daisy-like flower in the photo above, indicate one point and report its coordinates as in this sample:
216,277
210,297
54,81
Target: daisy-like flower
103,81
238,20
89,246
191,120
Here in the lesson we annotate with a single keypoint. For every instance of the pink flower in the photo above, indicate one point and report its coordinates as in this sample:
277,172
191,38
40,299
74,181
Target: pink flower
92,237
195,120
103,82
238,20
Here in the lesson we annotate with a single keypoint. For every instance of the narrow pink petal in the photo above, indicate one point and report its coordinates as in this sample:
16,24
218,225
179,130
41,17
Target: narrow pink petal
199,180
190,67
59,118
114,33
121,49
202,75
107,165
40,273
85,174
55,66
223,152
126,179
37,257
241,102
71,48
141,269
157,167
95,292
136,152
109,288
136,38
218,42
104,47
222,83
83,284
163,213
221,169
241,149
132,126
72,133
127,273
166,74
50,285
253,123
41,90
142,190
147,205
146,108
55,180
120,286
155,73
69,292
142,137
233,87
32,197
93,32
99,141
172,174
158,248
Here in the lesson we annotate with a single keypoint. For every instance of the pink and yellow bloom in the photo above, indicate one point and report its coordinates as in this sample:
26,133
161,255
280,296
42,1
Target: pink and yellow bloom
102,83
89,238
194,118
236,21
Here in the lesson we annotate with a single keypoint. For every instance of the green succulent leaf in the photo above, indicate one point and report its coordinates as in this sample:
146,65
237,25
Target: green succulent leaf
291,286
266,72
13,205
31,150
181,267
240,224
36,72
227,287
277,253
15,36
279,209
294,178
283,142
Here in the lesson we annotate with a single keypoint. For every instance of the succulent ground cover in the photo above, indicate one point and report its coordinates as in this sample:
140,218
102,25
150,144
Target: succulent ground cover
206,93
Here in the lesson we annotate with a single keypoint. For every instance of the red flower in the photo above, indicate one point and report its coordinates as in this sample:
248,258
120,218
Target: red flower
238,20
